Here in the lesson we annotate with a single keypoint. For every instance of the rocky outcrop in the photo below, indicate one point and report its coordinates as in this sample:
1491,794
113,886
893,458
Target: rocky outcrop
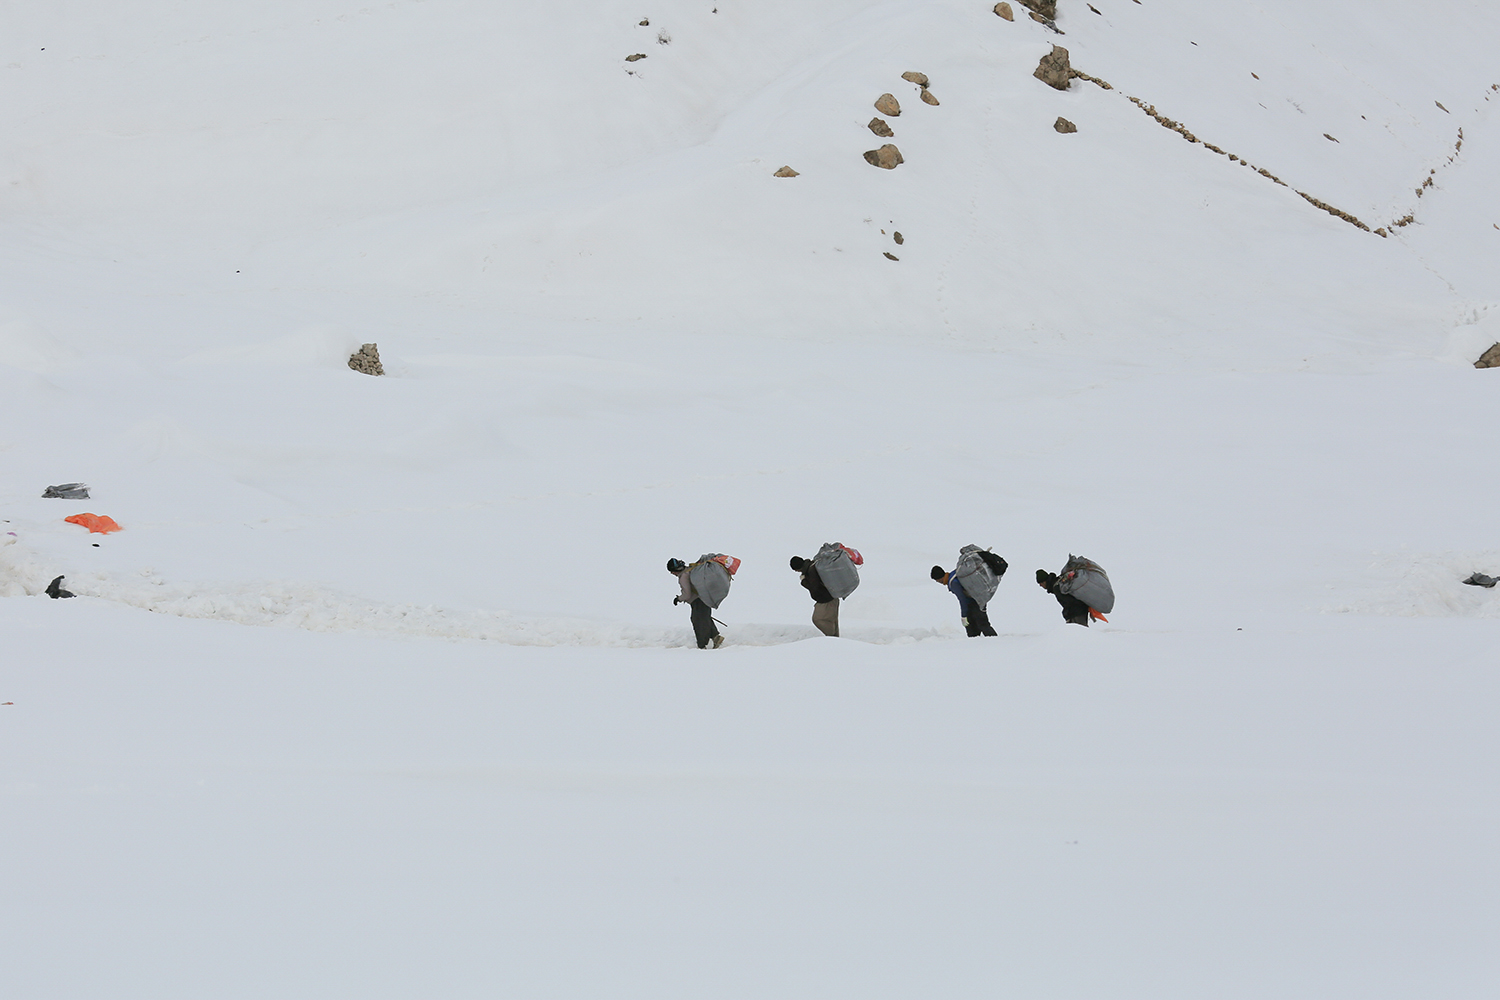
887,157
1064,126
898,238
1046,8
786,172
887,104
1054,70
636,58
880,128
928,97
912,76
1489,359
366,360
1003,10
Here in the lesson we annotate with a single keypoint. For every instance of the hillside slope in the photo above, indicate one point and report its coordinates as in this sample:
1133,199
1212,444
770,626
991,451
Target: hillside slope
289,739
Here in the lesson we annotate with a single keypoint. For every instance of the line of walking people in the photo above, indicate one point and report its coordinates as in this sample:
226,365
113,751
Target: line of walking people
1082,589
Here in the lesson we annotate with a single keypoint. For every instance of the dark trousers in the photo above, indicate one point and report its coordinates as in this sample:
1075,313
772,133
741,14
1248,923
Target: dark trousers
977,621
704,628
1074,611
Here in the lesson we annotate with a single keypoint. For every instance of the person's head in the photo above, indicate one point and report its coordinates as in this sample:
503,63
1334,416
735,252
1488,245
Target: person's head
798,563
940,575
675,566
1044,579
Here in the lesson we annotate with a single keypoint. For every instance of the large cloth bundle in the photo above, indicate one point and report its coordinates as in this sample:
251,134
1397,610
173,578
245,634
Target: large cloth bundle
836,567
1086,580
979,572
711,576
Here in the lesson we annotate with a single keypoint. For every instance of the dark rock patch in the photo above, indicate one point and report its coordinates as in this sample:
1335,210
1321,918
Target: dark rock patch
887,157
366,360
1053,70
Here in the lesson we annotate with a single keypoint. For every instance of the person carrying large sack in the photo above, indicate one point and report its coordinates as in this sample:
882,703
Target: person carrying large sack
973,582
829,577
825,616
1083,589
704,586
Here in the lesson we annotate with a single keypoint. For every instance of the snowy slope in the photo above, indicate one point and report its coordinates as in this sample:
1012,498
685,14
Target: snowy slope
612,336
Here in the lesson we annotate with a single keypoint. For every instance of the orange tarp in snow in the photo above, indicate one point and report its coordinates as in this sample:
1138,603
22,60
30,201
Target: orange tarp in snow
102,523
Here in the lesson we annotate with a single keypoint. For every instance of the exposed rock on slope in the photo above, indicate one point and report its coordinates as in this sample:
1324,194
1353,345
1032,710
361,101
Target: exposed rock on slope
1053,70
366,360
887,157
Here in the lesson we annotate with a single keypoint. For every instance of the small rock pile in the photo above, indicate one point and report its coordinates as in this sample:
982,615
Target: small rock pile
366,360
1490,358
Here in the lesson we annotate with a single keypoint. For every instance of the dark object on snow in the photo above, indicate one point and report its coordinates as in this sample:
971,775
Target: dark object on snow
68,491
1480,580
1490,358
55,590
367,360
972,612
1074,611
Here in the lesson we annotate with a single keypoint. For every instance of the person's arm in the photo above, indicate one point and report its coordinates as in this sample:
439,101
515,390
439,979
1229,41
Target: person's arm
960,593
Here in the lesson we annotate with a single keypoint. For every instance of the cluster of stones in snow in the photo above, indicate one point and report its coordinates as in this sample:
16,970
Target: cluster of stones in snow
662,38
888,157
1055,71
366,360
1041,11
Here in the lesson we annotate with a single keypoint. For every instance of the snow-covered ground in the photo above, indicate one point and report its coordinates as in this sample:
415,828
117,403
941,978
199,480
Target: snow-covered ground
414,715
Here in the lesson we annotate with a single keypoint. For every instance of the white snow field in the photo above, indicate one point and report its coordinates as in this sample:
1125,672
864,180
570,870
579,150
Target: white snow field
381,693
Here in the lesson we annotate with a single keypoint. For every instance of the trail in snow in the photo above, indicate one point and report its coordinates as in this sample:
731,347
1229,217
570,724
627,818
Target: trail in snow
291,604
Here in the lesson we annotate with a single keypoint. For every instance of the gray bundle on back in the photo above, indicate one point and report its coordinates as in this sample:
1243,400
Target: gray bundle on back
975,575
836,569
710,579
1087,581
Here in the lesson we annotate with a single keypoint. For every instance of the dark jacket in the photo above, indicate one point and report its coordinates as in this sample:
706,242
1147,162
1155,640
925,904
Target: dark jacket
964,600
814,584
1074,611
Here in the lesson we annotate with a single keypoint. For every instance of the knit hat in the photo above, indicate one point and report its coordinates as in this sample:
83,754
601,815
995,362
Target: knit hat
938,573
676,565
798,563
